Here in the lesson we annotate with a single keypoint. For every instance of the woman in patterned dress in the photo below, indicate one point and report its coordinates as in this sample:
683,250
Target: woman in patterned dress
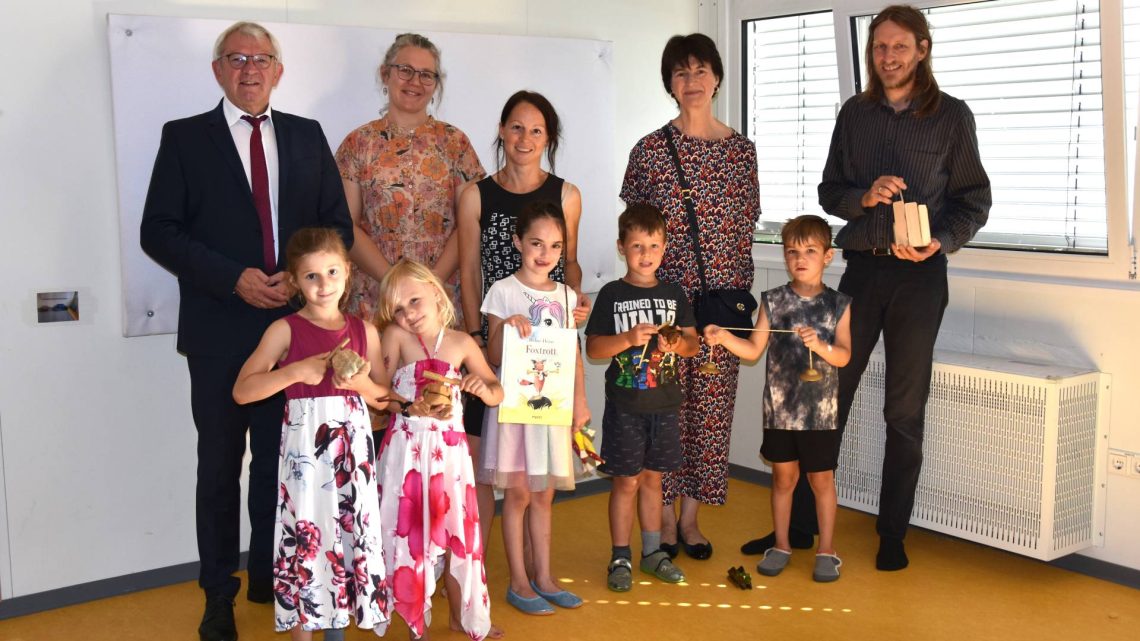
720,165
401,177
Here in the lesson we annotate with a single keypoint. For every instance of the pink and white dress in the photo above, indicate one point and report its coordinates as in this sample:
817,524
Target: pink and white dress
428,507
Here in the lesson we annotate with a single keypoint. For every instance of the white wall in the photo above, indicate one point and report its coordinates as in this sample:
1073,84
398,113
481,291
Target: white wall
98,442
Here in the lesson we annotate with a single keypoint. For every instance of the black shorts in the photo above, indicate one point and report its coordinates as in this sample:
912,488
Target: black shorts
633,442
473,411
816,450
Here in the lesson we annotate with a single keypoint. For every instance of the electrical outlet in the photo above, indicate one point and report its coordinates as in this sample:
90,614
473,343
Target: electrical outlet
1118,462
1134,465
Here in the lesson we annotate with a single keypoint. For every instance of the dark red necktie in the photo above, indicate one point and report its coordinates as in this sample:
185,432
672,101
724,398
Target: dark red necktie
259,176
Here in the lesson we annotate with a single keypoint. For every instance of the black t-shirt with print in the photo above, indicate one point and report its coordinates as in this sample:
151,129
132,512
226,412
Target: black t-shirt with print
636,385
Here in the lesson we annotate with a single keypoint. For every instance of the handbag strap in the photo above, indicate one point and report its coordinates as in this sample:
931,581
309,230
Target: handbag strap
690,206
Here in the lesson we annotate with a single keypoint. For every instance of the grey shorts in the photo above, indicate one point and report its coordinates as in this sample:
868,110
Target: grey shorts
635,442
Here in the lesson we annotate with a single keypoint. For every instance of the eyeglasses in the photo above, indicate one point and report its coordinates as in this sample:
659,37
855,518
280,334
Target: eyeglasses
405,72
259,60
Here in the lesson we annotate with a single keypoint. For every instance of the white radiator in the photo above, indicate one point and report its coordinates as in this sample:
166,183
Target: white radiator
1014,453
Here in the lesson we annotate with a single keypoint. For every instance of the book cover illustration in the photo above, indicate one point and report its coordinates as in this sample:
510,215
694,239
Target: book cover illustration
538,376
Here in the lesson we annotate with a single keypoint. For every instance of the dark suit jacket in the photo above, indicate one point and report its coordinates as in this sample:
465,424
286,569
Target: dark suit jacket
200,222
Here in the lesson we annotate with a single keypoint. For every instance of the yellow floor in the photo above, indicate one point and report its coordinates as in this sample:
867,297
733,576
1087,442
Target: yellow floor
953,590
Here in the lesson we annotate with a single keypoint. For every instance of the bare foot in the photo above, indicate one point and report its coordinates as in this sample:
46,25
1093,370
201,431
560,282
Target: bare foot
494,633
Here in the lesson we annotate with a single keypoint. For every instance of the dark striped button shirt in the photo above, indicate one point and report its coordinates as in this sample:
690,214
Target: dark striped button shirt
937,157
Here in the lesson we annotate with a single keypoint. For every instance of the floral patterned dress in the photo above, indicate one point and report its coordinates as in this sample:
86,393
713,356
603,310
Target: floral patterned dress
408,181
328,565
428,506
722,174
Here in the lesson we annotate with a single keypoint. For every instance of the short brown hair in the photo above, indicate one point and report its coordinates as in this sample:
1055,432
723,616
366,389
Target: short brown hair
680,49
801,229
926,97
641,217
310,240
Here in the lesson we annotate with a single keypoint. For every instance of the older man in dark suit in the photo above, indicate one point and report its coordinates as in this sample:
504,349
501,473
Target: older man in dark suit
229,188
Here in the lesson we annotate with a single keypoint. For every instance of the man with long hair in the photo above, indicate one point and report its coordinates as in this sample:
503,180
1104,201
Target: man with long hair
900,134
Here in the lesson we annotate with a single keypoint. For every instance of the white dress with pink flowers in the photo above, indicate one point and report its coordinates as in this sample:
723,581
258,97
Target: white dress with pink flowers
428,507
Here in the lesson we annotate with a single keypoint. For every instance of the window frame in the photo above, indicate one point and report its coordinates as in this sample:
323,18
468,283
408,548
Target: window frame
1115,266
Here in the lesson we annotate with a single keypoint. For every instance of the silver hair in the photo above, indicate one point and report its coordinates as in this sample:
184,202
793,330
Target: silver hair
410,40
250,29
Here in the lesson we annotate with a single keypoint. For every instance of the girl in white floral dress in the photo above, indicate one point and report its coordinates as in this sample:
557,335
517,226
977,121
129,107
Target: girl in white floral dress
328,566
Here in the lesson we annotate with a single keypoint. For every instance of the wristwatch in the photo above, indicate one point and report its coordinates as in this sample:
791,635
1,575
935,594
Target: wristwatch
404,405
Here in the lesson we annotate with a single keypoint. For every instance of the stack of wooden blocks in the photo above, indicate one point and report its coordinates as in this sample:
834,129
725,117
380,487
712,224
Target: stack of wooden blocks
912,224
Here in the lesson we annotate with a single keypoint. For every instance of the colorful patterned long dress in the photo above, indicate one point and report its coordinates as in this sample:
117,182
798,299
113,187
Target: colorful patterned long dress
722,174
428,506
408,181
328,564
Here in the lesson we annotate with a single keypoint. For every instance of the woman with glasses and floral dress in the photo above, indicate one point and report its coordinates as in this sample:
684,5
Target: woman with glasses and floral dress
401,174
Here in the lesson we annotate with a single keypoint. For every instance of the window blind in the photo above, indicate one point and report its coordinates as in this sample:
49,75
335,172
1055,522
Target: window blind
1131,92
1030,71
791,96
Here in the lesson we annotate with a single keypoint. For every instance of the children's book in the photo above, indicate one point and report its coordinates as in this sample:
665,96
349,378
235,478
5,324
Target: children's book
538,376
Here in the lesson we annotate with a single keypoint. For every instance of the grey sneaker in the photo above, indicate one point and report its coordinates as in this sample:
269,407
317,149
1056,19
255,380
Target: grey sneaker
826,568
775,560
659,565
619,576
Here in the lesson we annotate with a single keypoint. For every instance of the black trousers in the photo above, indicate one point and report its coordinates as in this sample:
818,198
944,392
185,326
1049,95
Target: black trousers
905,302
222,426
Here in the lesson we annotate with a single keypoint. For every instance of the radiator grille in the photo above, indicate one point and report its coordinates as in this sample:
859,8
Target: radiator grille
1010,453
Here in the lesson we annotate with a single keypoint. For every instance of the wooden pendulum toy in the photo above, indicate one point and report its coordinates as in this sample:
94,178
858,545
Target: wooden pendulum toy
345,362
811,374
709,367
666,331
437,395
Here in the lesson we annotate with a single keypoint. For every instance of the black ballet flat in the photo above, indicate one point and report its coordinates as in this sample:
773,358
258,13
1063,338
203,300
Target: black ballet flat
670,549
698,551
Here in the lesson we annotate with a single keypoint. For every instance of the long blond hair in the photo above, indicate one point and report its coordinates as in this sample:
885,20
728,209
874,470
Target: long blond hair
406,270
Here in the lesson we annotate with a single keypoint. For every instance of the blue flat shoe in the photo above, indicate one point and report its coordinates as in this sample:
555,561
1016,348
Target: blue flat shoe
561,598
536,605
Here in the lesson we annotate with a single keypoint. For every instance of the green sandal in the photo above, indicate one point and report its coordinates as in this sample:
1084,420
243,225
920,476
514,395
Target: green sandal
659,565
620,575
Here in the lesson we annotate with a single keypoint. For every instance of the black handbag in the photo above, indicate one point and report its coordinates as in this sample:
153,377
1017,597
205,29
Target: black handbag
721,307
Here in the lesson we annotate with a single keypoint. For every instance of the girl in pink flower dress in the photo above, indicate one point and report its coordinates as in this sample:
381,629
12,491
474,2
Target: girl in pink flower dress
328,566
427,485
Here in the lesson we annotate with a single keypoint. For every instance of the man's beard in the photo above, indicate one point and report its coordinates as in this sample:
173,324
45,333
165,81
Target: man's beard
906,80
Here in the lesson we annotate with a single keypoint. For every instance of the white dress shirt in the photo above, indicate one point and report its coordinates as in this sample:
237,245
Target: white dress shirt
242,131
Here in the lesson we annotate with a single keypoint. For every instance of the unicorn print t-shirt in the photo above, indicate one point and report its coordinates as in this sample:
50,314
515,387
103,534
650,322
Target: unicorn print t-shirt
642,379
509,296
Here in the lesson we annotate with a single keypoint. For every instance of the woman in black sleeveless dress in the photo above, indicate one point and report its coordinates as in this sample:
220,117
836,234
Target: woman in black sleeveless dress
487,211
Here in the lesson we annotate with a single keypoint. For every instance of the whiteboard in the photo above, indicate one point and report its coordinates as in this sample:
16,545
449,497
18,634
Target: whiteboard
160,71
